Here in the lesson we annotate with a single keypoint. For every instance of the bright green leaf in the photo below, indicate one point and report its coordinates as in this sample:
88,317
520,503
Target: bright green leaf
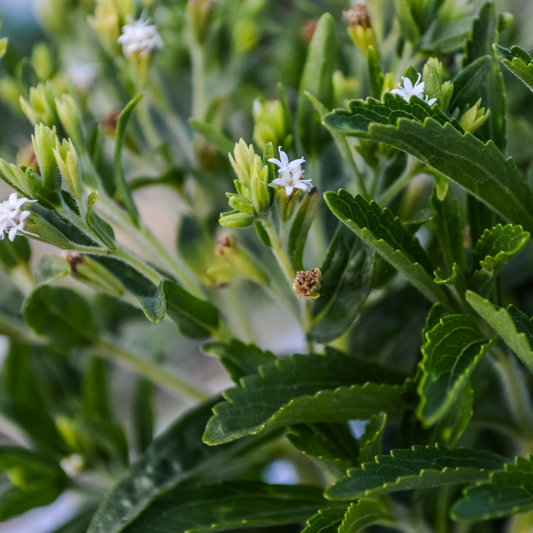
51,268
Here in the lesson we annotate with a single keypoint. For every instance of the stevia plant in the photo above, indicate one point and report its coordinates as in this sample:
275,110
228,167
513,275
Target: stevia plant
376,158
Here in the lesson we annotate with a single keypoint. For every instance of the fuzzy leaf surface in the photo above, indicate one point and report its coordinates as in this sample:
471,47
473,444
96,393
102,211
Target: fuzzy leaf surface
519,62
417,468
386,235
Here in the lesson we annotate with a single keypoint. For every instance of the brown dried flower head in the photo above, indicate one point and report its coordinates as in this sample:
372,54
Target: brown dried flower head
358,16
307,283
109,122
75,259
224,245
308,31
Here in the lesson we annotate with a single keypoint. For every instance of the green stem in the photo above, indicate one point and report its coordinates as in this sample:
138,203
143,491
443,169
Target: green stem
146,123
148,370
279,250
516,390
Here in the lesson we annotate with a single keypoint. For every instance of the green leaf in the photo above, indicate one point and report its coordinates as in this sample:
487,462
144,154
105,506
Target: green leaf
300,228
239,359
213,135
230,505
362,514
95,400
102,229
371,440
417,468
467,82
451,351
506,492
282,394
518,61
480,168
408,28
484,34
51,268
195,318
515,327
345,285
375,73
317,79
493,251
325,521
13,254
449,229
61,315
386,235
171,459
122,187
144,417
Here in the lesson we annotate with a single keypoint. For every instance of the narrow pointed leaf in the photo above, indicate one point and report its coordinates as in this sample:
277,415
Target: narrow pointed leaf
213,135
386,235
301,226
362,514
371,440
514,326
519,62
325,521
305,389
451,351
417,468
345,285
467,82
507,492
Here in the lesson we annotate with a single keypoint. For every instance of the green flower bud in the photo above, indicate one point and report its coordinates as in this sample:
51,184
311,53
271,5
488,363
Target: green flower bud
259,187
243,160
40,108
246,35
200,15
70,118
107,21
307,283
92,273
235,219
240,203
271,124
286,204
474,117
432,77
67,160
41,60
44,142
360,28
10,92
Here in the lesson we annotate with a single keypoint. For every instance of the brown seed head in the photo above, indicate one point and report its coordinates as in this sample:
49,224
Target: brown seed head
308,31
358,16
75,259
109,122
307,282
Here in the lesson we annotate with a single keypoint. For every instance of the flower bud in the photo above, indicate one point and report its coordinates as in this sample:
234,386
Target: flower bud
271,124
200,15
240,203
243,160
44,142
474,117
10,92
235,219
67,160
246,33
92,273
286,204
42,62
432,77
40,108
70,118
307,283
360,28
107,21
259,187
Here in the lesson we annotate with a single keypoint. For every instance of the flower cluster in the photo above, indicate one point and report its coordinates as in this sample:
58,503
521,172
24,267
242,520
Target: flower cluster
290,174
12,219
409,90
139,36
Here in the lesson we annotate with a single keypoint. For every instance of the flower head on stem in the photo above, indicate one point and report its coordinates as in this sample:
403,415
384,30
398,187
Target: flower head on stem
140,36
290,173
409,90
12,219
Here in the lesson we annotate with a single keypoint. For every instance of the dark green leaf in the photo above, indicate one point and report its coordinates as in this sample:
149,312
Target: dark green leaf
239,359
506,492
144,418
61,315
515,327
102,229
450,353
95,401
317,79
371,440
386,235
171,459
364,513
467,82
519,62
418,468
493,251
195,318
230,505
450,428
305,389
300,228
325,521
13,254
122,187
480,168
408,27
345,284
375,73
213,135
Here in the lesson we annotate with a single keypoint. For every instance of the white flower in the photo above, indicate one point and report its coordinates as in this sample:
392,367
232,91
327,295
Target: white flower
409,90
290,174
83,74
12,219
72,465
140,36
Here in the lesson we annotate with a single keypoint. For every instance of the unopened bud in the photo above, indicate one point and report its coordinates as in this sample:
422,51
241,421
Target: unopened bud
40,108
271,124
242,160
44,142
286,204
358,16
307,283
360,28
240,203
67,160
474,117
70,118
92,273
200,15
236,219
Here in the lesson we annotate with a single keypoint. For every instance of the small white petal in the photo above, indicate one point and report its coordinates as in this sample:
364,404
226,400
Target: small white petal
288,189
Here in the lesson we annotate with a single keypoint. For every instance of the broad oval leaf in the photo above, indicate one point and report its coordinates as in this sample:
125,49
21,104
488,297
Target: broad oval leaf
305,389
195,318
386,235
480,168
514,326
345,285
51,268
506,492
418,468
451,351
61,315
229,505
